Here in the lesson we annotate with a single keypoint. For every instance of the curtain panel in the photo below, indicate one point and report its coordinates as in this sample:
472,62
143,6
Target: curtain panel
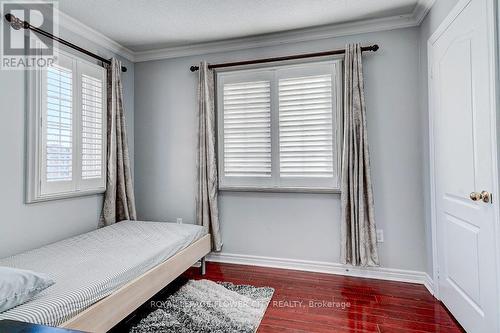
207,211
358,230
119,200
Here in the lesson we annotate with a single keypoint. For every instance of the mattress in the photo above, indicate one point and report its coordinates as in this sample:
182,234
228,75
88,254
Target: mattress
89,267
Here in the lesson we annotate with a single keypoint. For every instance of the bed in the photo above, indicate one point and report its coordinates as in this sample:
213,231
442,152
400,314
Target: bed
104,275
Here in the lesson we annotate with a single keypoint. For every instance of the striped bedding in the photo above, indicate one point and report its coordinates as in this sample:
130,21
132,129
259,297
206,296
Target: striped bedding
91,266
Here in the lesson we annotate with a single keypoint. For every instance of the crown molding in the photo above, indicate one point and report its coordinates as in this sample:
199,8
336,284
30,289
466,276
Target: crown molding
294,36
73,25
422,9
331,31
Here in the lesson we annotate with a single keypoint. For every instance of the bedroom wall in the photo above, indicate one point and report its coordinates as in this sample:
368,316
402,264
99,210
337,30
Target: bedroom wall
23,226
434,18
289,225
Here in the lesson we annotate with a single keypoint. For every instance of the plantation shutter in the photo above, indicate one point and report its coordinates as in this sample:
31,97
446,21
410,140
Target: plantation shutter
247,129
57,128
278,127
306,126
93,136
68,105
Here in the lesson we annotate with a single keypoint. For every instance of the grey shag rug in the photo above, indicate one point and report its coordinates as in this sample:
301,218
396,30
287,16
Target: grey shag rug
206,306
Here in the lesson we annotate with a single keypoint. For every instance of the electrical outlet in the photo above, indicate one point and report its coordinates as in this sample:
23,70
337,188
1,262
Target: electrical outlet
179,220
380,235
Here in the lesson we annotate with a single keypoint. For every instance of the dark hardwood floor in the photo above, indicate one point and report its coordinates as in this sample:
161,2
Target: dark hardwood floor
314,302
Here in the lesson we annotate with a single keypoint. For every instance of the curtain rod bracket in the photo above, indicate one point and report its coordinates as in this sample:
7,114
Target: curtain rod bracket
372,48
16,24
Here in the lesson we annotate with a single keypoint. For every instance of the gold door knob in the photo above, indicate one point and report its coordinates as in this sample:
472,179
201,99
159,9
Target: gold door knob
476,196
486,196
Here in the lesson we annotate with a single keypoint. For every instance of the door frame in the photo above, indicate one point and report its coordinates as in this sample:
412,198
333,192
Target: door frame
494,82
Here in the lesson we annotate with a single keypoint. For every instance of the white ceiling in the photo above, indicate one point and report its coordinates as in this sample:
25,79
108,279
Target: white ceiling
141,25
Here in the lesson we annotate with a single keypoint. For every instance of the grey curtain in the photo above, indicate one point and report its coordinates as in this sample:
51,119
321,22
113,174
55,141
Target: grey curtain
358,232
207,212
119,201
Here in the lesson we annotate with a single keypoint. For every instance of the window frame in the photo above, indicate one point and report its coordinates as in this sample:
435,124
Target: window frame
275,183
35,138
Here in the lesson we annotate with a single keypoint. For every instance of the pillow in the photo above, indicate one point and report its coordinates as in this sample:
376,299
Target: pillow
18,286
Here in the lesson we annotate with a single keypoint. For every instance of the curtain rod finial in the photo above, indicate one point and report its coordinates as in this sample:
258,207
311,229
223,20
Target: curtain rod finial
193,68
375,48
16,23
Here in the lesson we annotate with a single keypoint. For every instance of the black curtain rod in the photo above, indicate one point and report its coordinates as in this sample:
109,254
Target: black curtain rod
373,48
17,24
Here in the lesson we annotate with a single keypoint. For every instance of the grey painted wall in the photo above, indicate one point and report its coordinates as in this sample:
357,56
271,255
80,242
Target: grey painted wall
289,225
437,14
23,226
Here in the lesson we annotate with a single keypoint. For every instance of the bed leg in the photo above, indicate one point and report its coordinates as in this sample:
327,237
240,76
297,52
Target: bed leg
203,266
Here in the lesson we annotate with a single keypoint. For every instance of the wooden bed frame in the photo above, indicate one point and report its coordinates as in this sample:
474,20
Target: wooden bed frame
109,311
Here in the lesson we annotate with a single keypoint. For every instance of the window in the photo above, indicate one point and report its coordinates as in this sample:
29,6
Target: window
66,130
278,127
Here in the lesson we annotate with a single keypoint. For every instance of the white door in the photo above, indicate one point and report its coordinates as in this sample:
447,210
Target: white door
463,144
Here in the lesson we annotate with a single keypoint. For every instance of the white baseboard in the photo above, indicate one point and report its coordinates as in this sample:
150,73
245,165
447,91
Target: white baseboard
381,273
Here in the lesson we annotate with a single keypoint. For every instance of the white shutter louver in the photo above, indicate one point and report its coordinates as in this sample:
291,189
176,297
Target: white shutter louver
247,129
92,127
66,129
59,125
306,126
278,127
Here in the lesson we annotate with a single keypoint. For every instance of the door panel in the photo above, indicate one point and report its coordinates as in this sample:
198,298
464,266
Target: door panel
456,106
464,146
464,277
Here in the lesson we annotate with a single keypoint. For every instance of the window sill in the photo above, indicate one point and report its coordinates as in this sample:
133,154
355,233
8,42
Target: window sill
279,189
61,196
